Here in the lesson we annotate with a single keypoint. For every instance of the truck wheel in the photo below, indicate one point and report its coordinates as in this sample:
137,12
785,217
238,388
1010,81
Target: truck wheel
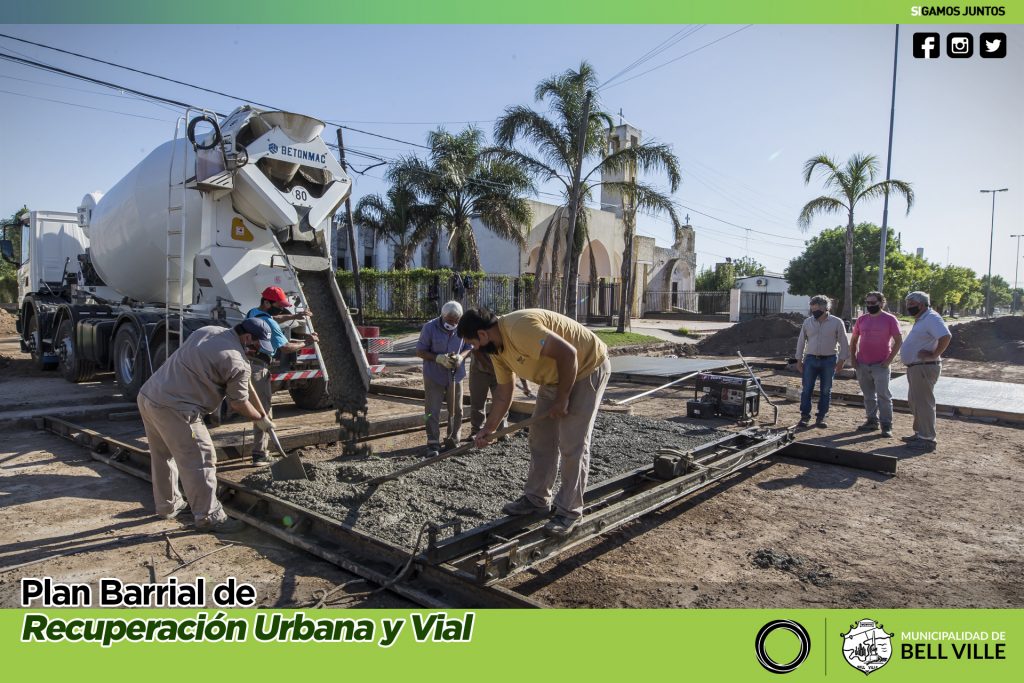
311,394
129,361
72,365
160,352
35,342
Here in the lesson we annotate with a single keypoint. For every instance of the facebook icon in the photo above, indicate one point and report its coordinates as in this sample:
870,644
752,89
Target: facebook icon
926,45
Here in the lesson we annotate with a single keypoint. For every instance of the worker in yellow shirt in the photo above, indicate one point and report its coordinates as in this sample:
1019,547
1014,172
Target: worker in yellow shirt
570,363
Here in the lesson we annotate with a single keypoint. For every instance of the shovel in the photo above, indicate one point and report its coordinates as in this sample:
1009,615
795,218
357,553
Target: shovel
452,453
289,466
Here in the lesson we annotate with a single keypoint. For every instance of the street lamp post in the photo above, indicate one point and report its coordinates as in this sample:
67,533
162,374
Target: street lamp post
1016,268
991,237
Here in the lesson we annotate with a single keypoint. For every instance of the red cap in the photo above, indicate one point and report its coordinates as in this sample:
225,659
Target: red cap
275,295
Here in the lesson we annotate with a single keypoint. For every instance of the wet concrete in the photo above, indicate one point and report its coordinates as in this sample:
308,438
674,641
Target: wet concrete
470,488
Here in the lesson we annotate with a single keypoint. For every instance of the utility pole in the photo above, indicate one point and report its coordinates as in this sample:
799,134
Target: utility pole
571,289
888,166
991,238
351,236
1016,269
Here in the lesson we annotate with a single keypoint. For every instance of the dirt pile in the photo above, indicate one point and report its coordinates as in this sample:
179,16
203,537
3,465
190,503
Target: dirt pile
994,339
773,335
804,569
470,488
7,321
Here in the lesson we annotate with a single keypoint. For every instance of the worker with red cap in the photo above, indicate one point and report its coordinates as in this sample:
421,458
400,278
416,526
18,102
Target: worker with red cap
274,310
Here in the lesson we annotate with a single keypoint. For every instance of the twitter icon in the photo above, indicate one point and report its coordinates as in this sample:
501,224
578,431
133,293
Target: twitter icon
993,45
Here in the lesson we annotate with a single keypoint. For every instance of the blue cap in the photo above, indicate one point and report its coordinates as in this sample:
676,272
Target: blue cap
260,331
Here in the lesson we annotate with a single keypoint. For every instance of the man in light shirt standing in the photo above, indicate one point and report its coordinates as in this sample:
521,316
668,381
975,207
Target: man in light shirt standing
820,337
875,341
922,354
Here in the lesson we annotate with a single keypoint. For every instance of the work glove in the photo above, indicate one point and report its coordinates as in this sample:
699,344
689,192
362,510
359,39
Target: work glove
447,361
264,423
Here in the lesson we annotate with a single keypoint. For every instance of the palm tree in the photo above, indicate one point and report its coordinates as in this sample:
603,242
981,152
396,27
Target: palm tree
554,154
847,186
398,218
637,196
461,184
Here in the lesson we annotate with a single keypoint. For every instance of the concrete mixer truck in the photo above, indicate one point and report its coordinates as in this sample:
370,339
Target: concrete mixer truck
190,237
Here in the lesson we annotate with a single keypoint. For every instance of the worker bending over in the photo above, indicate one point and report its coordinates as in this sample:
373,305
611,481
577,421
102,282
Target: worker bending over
570,363
192,382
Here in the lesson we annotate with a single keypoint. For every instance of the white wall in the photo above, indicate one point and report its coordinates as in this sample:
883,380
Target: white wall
791,303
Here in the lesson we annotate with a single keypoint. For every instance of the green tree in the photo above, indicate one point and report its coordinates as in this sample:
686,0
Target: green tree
1001,294
949,285
398,218
847,186
8,271
552,153
747,265
819,269
462,184
718,279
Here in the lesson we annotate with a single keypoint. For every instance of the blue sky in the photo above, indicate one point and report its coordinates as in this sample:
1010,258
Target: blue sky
743,114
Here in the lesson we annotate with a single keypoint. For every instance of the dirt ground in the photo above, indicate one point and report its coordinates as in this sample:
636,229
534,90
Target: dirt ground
945,532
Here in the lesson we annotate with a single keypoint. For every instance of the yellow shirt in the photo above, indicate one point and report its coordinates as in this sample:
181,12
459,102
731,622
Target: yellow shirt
524,334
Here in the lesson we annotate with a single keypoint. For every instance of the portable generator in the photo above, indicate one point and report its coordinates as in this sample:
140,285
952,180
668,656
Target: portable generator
724,396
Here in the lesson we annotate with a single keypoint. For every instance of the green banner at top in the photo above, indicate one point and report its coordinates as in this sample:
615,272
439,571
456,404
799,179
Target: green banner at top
521,11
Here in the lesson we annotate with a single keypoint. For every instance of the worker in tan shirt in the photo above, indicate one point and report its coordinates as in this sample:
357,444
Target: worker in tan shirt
192,382
821,336
570,363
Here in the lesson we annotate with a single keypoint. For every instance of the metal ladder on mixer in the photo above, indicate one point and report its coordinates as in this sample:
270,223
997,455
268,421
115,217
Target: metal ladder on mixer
174,275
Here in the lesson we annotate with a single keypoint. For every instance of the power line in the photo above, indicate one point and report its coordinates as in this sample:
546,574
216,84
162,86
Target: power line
84,106
676,59
669,42
177,82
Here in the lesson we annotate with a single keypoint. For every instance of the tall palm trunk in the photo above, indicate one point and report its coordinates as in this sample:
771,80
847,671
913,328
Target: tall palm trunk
848,273
626,301
572,277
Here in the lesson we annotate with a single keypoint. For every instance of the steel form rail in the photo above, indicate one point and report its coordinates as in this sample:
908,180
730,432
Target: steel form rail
494,551
426,584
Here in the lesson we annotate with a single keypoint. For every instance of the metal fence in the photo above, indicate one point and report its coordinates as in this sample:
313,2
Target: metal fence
694,303
598,303
759,304
417,299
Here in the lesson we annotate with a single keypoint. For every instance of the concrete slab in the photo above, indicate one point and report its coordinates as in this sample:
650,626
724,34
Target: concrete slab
977,394
653,366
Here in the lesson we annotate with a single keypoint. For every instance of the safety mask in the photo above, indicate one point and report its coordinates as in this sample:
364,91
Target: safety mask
277,310
449,326
489,347
913,310
874,309
817,314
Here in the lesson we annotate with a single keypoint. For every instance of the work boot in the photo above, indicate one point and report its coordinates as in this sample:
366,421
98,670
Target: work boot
451,442
431,452
523,506
561,526
820,423
260,460
805,422
177,512
919,444
224,526
869,426
911,439
886,431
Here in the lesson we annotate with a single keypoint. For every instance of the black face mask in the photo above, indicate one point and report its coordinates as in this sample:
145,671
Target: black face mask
913,310
874,309
274,310
817,314
489,347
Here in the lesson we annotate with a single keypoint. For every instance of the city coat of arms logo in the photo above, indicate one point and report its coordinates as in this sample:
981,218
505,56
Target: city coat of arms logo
866,646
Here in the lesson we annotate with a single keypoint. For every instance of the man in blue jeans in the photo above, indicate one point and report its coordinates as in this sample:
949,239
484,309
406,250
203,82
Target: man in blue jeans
821,350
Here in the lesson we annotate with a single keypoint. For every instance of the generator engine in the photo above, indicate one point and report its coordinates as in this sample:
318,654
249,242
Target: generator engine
724,396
